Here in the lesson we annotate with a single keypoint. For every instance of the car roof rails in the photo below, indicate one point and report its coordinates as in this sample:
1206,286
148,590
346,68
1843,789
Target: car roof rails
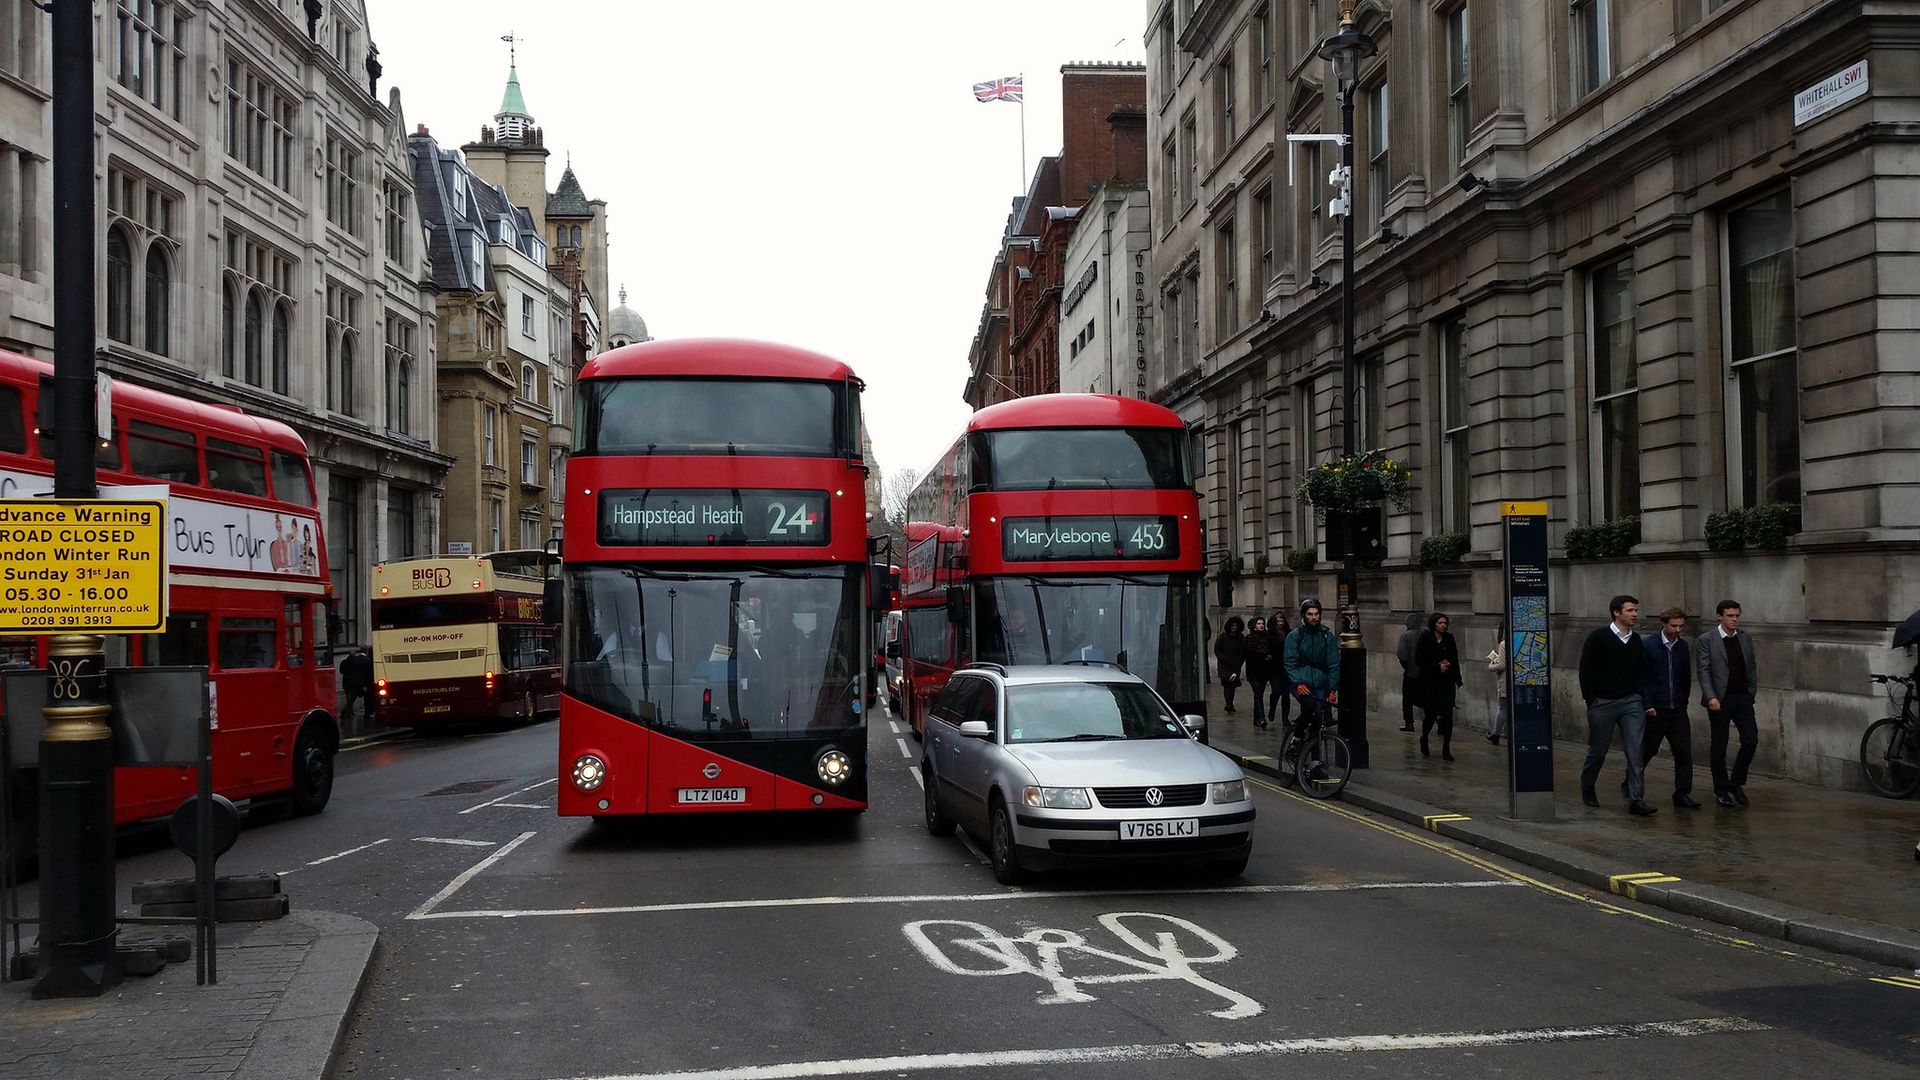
986,665
1116,665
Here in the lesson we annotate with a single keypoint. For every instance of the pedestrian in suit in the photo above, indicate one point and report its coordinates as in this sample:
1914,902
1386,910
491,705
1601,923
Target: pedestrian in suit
1409,671
1669,683
1612,675
1229,654
1438,659
1728,679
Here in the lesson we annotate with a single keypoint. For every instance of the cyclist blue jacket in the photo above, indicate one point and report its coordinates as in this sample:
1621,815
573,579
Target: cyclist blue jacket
1313,657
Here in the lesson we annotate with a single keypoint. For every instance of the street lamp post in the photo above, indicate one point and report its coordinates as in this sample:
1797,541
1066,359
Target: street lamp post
1345,49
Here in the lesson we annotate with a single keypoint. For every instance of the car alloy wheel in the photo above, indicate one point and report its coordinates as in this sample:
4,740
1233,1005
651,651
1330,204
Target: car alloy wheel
1006,859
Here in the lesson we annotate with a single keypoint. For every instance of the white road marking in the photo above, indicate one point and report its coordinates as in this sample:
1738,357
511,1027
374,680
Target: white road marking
904,752
950,898
342,854
1164,959
915,773
351,745
893,727
454,840
511,794
471,872
1203,1051
973,847
519,806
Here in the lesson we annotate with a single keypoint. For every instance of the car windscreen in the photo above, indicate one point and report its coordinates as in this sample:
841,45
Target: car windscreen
1087,712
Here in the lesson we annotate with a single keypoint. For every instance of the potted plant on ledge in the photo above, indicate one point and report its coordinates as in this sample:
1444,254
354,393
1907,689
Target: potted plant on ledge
1351,491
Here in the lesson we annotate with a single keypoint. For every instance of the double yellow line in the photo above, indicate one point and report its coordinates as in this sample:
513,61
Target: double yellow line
1901,981
1628,885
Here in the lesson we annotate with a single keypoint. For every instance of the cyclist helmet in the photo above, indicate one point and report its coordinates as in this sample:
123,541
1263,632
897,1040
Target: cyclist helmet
1311,603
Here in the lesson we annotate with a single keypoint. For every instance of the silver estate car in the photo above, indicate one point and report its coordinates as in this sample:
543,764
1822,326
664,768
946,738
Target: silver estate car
1079,764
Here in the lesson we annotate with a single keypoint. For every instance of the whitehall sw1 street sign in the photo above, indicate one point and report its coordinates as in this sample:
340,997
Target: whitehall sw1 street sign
1830,93
83,565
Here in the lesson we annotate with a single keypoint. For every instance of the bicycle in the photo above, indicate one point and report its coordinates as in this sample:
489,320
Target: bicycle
1321,762
1890,749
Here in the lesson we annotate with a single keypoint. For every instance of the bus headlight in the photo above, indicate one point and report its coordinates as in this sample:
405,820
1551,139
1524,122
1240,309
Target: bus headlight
1058,798
589,772
834,767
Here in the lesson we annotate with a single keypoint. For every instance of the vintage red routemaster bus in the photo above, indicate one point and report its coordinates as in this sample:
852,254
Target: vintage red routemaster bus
1082,535
929,644
464,637
718,596
247,581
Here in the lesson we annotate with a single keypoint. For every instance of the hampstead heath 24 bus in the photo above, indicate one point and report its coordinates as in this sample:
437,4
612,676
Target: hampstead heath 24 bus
1082,537
718,600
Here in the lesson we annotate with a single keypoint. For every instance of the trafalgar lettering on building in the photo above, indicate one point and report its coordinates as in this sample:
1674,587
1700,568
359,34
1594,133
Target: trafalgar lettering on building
205,535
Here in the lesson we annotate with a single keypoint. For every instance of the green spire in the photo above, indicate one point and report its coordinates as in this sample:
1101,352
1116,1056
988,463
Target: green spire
513,104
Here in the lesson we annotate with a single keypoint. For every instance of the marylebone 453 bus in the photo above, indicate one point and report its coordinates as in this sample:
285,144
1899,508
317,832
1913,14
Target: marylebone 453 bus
464,638
1082,537
717,590
248,592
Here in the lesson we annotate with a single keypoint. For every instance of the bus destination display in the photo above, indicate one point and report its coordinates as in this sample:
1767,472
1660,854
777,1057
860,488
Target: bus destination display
681,517
1088,539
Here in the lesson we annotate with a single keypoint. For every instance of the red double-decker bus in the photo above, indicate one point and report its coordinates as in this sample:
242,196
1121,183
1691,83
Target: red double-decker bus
1082,537
718,599
931,639
248,592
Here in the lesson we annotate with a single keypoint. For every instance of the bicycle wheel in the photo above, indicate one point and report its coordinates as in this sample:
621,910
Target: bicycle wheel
1324,766
1890,752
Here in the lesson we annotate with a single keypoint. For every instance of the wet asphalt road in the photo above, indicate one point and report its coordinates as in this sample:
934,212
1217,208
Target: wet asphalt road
517,944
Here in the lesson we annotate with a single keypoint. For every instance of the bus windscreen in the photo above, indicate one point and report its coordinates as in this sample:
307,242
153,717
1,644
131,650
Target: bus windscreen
786,418
1049,459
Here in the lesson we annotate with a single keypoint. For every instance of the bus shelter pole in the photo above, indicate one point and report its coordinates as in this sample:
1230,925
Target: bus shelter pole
77,929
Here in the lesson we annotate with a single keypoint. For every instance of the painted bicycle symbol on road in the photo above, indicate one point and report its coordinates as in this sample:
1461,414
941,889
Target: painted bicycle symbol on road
1163,948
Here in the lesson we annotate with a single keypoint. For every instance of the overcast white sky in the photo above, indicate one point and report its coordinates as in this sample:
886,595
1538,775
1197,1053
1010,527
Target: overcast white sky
812,173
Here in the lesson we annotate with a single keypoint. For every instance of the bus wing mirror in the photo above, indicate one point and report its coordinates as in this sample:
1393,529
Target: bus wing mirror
956,605
553,601
878,580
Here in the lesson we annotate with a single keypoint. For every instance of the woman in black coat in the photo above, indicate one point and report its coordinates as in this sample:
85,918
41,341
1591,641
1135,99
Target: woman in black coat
1438,661
1229,655
1282,704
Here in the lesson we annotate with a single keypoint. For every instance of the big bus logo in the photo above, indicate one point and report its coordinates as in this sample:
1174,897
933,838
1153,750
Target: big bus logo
432,577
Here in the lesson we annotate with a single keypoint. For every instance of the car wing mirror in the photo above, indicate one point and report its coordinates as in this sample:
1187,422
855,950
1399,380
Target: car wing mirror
1194,724
976,729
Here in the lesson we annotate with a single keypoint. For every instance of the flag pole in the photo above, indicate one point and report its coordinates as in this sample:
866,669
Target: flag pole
1023,131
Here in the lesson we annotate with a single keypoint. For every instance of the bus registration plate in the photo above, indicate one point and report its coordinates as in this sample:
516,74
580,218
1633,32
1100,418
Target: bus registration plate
1159,830
713,794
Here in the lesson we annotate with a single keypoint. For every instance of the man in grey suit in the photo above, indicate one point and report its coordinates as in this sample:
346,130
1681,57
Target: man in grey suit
1728,679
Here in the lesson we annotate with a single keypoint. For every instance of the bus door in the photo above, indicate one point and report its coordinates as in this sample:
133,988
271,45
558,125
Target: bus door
253,698
304,687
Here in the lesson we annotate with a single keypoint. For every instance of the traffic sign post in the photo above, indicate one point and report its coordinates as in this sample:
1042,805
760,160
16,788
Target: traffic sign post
96,565
1529,671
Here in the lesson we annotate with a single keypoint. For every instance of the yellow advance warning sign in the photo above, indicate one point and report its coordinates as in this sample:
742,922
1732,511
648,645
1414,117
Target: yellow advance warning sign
82,565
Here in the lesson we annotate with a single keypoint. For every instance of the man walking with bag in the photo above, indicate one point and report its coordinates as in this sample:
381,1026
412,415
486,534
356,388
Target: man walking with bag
1669,683
1727,682
1612,669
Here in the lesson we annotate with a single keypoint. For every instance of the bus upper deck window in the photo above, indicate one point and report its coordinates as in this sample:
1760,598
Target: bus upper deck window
290,481
163,453
234,467
13,424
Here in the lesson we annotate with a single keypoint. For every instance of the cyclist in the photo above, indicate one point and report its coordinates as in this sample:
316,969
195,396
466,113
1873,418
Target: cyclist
1312,662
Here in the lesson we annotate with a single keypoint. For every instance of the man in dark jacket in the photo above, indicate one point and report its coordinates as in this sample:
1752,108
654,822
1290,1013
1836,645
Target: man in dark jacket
1612,675
1669,681
1409,671
1728,679
1312,659
356,678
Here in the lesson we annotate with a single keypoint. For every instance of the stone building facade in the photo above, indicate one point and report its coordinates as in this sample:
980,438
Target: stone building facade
258,243
1106,321
1648,261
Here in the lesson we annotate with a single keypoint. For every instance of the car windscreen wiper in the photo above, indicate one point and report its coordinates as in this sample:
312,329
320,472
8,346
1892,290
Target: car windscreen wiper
1086,736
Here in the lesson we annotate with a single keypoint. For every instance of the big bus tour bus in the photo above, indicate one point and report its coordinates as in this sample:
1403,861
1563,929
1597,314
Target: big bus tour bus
464,638
1082,536
718,601
248,591
929,645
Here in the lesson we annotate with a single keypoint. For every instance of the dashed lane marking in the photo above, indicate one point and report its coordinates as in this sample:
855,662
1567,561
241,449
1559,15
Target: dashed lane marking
520,806
904,752
340,854
471,872
1209,1051
425,911
454,840
893,727
502,800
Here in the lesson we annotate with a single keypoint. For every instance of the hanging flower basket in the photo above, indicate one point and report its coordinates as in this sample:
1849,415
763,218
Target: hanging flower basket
1350,483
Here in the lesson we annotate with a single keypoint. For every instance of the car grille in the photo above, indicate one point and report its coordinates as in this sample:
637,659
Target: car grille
1181,846
1135,798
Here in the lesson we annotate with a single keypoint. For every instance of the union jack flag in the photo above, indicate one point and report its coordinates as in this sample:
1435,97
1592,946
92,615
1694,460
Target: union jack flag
1007,89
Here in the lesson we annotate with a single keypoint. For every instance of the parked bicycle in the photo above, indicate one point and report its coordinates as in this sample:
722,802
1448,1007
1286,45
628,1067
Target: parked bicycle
1317,757
1890,750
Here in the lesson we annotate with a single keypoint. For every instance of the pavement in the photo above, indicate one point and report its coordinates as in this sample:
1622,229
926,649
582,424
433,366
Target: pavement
1809,865
285,993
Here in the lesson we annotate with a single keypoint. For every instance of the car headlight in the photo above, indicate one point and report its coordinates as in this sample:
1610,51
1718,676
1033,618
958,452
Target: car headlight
1059,798
834,767
1228,791
589,772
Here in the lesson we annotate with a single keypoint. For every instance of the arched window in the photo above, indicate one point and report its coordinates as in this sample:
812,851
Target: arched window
529,383
346,374
256,317
282,361
333,364
576,236
393,391
159,282
119,287
403,397
228,310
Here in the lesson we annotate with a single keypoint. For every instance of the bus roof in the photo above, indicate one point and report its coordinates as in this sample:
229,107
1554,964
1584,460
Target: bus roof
1073,410
215,420
917,531
727,358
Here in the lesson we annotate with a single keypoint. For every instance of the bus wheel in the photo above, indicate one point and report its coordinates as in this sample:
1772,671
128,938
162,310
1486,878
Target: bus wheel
312,772
526,707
